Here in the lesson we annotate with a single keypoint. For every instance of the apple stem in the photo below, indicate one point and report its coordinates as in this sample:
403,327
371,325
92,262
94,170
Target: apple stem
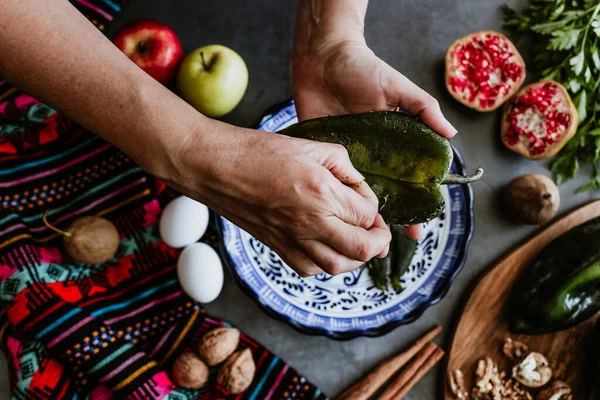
206,67
141,47
55,229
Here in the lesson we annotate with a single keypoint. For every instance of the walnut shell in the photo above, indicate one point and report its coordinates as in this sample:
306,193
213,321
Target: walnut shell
533,371
189,371
558,390
92,240
218,344
237,373
531,199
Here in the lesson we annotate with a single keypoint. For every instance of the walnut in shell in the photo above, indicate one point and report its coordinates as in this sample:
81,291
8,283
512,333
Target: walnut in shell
558,390
533,371
237,373
514,350
218,344
189,371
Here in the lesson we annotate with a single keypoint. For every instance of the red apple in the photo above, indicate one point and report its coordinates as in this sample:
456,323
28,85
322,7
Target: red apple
153,46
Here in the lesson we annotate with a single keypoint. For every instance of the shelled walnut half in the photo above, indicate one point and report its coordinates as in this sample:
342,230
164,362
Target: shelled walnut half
533,371
558,390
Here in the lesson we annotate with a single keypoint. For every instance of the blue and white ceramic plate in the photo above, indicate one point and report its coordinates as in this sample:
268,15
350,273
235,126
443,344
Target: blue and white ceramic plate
349,305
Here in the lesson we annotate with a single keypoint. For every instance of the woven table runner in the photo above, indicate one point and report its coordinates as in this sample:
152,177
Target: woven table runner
103,331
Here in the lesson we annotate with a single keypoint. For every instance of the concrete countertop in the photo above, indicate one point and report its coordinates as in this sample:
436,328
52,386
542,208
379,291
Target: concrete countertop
412,36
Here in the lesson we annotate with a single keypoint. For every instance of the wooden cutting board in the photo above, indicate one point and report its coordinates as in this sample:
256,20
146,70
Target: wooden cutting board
483,325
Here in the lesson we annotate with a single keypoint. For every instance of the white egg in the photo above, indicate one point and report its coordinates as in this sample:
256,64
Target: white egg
183,222
200,272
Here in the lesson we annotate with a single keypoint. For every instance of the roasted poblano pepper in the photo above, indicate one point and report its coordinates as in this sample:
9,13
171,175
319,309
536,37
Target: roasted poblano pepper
378,270
402,159
561,287
402,250
594,359
396,263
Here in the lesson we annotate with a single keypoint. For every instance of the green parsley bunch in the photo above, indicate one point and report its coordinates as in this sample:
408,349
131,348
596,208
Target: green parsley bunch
566,38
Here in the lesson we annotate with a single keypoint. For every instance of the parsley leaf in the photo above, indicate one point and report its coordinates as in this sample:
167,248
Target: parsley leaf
566,41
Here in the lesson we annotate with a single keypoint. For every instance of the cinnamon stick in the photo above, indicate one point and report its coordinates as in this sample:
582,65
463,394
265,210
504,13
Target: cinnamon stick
419,373
415,365
429,364
365,388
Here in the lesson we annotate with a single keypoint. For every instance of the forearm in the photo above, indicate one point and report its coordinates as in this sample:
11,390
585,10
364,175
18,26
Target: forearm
52,52
321,22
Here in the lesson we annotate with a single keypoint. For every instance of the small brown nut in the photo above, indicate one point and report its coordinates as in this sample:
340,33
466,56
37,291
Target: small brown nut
456,380
514,350
237,373
531,199
533,371
189,371
514,391
558,390
486,375
218,344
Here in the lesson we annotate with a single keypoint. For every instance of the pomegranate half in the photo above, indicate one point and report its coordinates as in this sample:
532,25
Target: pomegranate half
539,120
483,70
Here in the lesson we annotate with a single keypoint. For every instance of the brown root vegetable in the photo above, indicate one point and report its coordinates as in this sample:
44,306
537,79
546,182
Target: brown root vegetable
90,240
237,373
189,371
483,70
532,199
218,344
539,120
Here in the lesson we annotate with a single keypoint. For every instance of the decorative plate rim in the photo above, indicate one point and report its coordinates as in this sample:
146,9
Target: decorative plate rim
351,334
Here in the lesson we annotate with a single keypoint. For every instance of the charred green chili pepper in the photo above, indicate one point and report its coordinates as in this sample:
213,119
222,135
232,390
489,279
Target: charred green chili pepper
561,287
378,270
402,159
396,263
402,250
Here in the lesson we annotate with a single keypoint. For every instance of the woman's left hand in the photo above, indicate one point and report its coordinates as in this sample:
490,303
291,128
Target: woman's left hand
344,76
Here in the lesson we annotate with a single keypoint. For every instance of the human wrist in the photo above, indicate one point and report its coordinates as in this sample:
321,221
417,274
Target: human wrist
321,25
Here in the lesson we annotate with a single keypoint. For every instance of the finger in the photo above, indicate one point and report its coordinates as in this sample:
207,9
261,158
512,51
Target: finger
414,231
297,260
357,243
328,259
354,208
365,191
335,158
399,90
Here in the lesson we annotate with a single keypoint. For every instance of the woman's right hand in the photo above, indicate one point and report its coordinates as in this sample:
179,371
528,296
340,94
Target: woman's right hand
291,194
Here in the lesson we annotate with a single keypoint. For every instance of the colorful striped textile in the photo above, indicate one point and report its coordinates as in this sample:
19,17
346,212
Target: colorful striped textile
75,331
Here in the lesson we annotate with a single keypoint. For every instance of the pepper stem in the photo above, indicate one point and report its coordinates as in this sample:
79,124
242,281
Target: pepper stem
461,179
52,227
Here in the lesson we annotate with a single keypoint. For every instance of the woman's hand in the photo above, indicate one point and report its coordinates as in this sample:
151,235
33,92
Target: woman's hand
291,194
334,72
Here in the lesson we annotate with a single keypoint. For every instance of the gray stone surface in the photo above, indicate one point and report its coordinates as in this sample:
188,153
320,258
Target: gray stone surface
412,36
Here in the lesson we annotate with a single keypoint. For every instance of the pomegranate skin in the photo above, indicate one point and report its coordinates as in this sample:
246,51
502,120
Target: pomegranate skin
489,75
545,106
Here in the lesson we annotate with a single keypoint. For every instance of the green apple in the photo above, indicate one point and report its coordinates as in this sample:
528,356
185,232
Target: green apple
213,79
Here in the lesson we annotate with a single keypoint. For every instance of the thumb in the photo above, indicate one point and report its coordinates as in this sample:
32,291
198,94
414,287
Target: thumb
400,91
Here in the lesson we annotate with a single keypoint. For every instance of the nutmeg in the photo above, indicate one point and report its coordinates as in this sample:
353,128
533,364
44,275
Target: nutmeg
237,373
189,371
218,344
531,199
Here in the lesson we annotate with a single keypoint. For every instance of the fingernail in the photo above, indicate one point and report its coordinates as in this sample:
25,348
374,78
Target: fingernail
453,131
